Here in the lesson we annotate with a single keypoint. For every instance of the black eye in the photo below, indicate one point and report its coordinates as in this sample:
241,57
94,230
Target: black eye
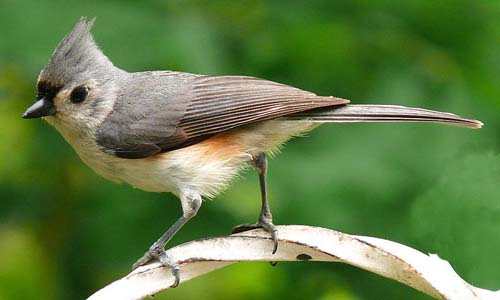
79,94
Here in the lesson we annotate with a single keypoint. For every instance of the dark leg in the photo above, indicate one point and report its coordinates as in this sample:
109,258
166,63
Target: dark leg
191,203
266,218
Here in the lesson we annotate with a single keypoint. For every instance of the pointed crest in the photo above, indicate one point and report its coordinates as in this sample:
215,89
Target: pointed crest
76,55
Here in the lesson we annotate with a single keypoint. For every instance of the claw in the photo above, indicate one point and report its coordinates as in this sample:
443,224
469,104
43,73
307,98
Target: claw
264,224
269,227
160,255
166,261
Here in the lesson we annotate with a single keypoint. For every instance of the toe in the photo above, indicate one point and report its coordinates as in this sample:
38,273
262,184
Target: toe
269,227
166,261
145,259
244,227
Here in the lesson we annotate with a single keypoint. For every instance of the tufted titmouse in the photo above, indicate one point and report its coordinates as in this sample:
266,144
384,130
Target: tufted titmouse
187,134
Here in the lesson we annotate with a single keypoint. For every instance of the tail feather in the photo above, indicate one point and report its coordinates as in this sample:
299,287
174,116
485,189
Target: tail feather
383,113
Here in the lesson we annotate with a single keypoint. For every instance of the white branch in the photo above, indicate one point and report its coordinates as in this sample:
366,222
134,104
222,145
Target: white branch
427,273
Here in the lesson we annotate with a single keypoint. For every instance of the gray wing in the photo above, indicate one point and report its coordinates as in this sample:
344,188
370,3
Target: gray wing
221,103
195,107
145,114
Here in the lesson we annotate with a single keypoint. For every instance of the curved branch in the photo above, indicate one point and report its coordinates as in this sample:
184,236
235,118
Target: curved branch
426,273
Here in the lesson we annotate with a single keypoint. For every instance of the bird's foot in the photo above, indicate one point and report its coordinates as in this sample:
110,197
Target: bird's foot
264,223
159,254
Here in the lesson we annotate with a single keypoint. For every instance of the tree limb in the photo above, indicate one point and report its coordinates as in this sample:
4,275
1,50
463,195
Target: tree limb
426,273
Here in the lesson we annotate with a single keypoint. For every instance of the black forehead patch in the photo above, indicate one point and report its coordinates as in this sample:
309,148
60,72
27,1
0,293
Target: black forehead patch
47,90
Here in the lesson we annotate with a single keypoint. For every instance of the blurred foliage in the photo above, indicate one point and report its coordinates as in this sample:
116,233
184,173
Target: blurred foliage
65,232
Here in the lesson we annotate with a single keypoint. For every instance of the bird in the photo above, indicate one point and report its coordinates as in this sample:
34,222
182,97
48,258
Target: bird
183,133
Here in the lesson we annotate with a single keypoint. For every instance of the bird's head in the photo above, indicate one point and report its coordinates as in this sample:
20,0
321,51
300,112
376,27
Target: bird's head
77,87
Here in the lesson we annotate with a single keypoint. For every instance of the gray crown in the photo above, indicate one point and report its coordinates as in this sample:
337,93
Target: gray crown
76,56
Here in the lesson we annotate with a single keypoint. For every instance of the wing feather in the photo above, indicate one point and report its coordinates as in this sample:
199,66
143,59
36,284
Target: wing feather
180,109
221,103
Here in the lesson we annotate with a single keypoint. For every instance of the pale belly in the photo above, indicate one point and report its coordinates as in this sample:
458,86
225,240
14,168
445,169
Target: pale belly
206,167
202,167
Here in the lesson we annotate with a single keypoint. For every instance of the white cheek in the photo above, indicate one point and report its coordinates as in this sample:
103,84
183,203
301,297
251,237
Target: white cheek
88,114
63,110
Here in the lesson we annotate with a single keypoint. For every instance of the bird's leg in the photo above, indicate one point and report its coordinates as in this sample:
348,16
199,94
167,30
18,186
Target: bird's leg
259,163
191,203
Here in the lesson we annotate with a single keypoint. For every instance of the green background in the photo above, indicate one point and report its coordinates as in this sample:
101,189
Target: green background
65,232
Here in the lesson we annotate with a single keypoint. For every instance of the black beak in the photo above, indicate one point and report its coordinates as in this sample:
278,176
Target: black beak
41,108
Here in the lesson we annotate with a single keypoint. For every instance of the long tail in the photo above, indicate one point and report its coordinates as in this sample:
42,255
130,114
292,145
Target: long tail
383,113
